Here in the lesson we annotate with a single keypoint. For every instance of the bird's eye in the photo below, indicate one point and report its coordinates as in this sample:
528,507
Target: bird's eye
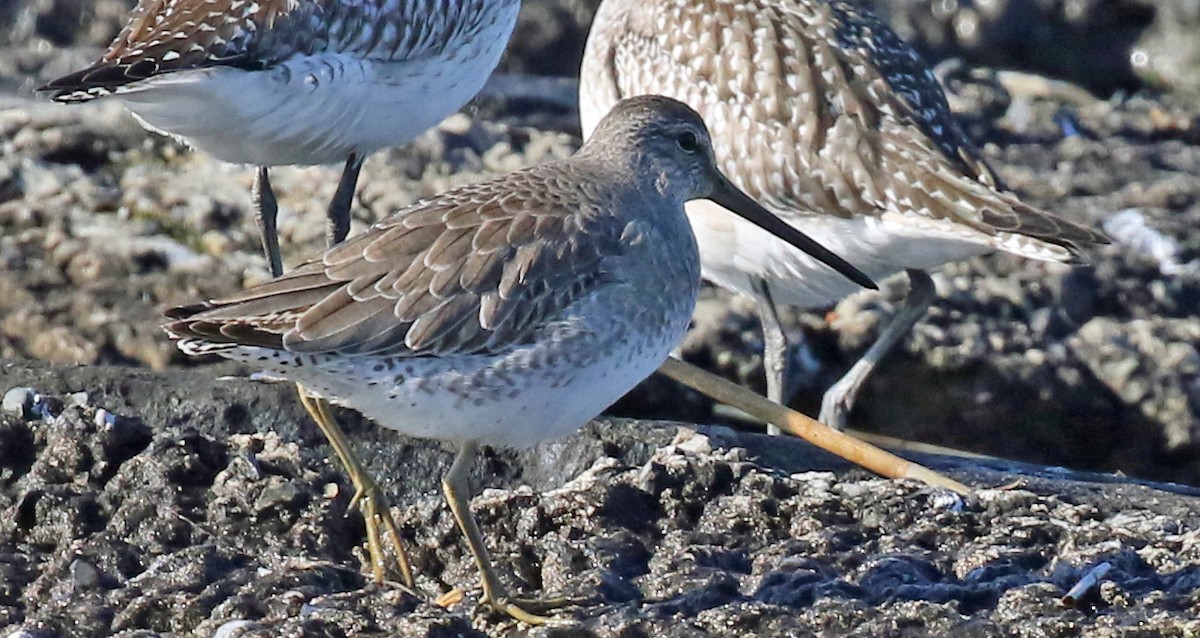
688,142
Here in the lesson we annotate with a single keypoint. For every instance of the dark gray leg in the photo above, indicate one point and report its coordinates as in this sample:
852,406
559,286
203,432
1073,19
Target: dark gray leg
262,198
776,352
839,399
338,221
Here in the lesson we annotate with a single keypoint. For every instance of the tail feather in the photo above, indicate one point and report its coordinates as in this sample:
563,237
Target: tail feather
976,198
95,81
184,312
199,323
228,334
1022,219
199,347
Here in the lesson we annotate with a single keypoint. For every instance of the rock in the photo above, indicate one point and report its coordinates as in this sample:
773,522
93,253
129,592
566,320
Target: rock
1152,365
20,402
1167,53
84,574
668,528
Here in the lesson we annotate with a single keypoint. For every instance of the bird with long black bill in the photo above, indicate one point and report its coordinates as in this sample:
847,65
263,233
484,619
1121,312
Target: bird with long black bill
506,312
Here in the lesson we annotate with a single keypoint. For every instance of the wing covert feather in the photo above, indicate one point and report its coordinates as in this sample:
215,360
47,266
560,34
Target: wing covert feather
467,274
854,123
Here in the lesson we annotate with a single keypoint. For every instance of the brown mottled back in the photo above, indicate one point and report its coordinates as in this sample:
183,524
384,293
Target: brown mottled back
816,108
478,270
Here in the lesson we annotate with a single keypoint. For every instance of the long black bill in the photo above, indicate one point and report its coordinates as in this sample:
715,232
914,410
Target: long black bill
729,196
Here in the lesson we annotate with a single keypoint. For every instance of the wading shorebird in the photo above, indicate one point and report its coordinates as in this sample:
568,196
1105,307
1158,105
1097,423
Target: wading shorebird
300,82
827,118
505,312
296,82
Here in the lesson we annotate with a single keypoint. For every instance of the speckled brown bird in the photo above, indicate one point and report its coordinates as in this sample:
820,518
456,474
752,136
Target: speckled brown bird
824,115
505,312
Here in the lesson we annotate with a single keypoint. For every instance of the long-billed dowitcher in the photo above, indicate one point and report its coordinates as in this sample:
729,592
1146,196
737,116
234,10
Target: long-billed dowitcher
827,118
297,82
504,312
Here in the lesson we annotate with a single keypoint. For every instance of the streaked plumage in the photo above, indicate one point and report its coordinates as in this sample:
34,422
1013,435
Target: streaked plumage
542,269
283,82
827,118
504,312
474,272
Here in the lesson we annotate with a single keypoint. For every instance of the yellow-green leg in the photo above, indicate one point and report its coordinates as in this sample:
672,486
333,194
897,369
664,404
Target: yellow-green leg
367,494
454,484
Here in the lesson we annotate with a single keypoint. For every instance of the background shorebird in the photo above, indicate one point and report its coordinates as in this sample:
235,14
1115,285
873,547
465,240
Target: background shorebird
504,312
825,116
296,82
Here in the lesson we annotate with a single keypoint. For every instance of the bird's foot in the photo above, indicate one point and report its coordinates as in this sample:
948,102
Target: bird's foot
836,405
531,610
377,516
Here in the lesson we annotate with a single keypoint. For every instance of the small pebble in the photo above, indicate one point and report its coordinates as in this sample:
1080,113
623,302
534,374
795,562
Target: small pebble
277,496
105,419
84,574
20,401
690,441
232,628
945,500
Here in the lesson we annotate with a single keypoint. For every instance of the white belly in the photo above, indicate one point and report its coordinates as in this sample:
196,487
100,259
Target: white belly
531,394
462,399
309,110
733,252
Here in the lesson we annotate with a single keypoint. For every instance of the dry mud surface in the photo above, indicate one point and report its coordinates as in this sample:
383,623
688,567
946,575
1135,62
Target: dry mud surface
199,503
